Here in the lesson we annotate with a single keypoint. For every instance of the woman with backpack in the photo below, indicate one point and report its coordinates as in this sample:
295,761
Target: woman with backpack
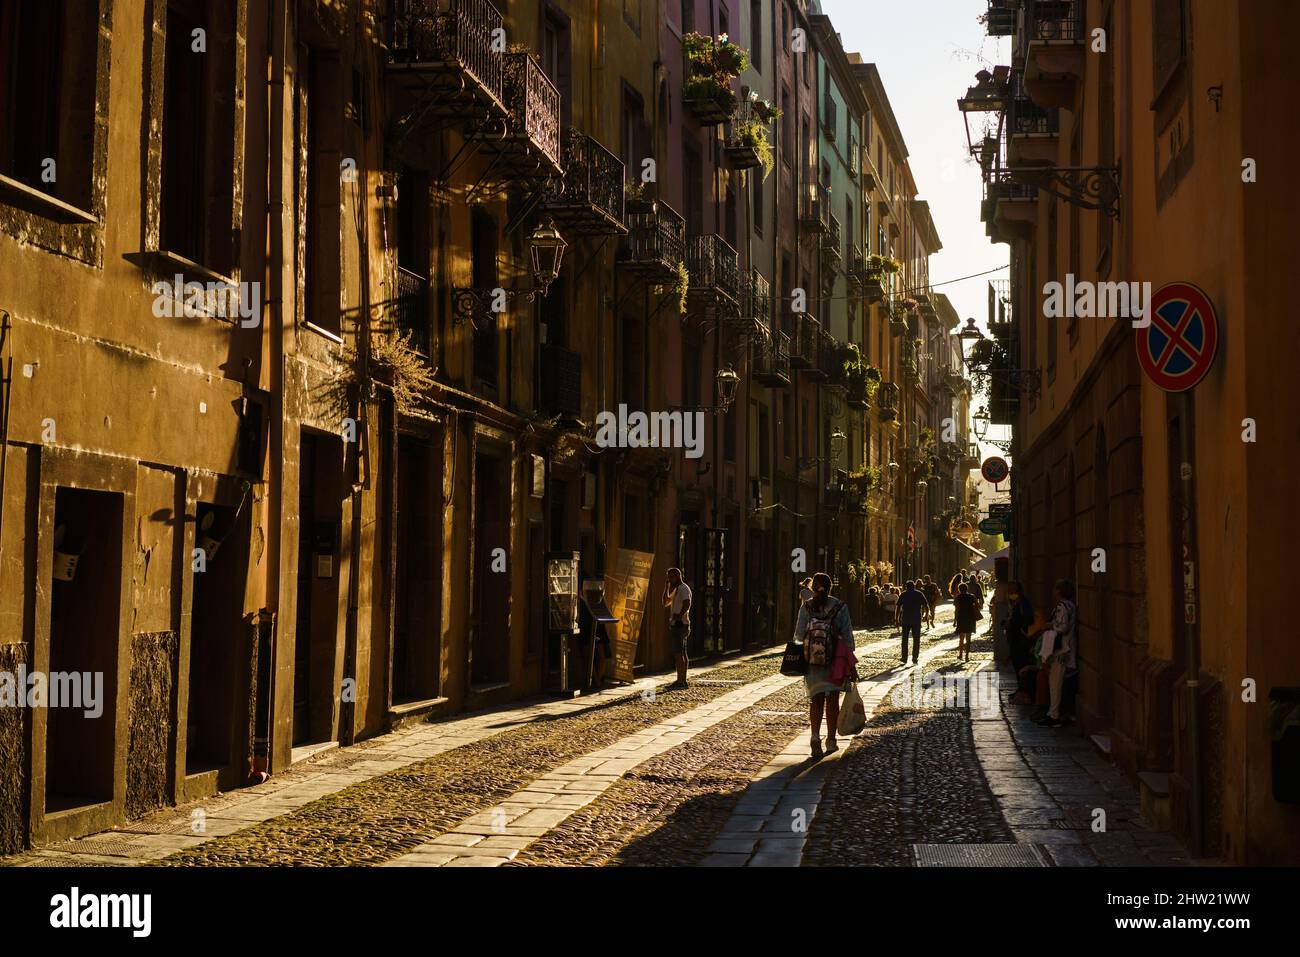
823,623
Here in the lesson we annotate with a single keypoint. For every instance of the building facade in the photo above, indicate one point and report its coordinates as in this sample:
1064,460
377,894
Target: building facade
303,383
1143,125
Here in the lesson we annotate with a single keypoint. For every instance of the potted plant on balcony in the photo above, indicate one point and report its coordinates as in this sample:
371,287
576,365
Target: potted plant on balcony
860,378
637,197
680,285
711,66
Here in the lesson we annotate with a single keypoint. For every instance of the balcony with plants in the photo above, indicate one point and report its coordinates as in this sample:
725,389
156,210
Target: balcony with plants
771,363
1000,20
655,245
856,271
879,277
588,201
448,46
410,308
748,142
714,270
861,379
711,64
901,312
832,244
859,484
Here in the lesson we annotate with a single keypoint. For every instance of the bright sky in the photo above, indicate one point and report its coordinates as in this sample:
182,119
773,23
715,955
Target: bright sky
927,52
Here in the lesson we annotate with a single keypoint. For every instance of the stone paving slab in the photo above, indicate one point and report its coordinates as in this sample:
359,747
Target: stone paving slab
1048,794
544,809
787,791
336,769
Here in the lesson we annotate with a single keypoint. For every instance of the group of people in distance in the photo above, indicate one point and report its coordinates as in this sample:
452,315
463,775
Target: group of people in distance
1043,652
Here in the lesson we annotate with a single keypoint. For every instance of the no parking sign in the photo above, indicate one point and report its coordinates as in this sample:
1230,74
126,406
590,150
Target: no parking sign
1177,348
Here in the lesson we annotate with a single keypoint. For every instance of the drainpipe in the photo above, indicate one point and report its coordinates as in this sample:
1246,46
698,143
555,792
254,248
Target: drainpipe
1191,627
277,329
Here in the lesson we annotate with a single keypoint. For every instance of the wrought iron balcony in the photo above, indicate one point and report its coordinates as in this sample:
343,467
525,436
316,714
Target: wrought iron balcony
856,271
706,92
814,210
655,245
1001,17
887,401
925,303
832,242
527,142
1033,130
715,272
805,341
830,360
445,49
561,382
1014,205
772,360
747,136
875,282
588,201
410,308
1054,57
857,395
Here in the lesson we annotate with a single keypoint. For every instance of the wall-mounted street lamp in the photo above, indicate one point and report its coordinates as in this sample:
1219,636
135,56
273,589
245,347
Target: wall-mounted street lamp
837,446
545,254
725,384
1020,380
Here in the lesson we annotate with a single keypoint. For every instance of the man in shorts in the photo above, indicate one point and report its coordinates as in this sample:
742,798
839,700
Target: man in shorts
677,599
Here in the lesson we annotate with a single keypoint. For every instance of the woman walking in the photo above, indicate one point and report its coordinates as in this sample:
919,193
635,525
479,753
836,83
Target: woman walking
823,623
966,610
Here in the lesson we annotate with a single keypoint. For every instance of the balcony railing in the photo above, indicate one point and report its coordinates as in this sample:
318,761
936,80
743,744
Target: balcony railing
411,308
655,245
832,241
452,37
1029,119
830,359
805,342
561,382
1001,18
875,282
748,135
887,400
588,201
758,299
814,210
714,269
1055,20
530,146
772,361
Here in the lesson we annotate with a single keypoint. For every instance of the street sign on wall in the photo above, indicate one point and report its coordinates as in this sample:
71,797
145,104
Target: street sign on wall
1177,348
995,469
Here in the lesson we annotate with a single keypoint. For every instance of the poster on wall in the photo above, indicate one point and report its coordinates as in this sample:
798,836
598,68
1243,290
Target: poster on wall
627,583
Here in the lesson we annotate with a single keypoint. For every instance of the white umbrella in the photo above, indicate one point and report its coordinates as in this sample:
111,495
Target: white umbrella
985,564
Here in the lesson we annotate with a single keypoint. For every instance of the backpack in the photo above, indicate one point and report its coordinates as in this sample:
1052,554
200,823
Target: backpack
819,638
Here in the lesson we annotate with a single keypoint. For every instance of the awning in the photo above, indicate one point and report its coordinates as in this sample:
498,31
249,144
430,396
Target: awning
969,548
986,564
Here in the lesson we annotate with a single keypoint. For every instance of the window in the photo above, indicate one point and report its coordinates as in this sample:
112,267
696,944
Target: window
199,121
557,58
693,188
724,23
633,140
1052,266
1105,142
764,444
483,249
787,426
787,127
323,136
688,16
691,375
1168,41
785,27
756,198
803,431
633,363
47,96
756,34
729,435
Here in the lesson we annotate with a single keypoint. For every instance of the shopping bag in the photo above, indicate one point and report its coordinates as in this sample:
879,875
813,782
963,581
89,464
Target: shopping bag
853,715
793,663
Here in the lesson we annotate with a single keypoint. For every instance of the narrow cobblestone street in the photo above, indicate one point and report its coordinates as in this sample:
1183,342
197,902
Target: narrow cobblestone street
717,774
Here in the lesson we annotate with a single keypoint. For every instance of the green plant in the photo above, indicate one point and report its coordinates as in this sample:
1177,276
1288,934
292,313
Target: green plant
752,133
890,265
681,284
926,436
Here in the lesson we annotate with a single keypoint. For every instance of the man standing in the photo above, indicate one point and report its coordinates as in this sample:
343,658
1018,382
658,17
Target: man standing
677,599
912,607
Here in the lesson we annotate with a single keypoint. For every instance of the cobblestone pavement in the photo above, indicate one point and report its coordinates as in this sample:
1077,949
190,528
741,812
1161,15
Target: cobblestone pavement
716,774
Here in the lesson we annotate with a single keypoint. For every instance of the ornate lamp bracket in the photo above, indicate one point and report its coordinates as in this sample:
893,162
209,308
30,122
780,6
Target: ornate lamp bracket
1088,187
